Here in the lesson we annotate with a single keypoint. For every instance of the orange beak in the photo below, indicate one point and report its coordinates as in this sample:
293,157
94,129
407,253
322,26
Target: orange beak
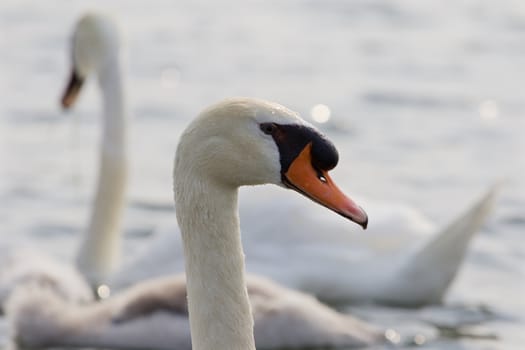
318,186
73,88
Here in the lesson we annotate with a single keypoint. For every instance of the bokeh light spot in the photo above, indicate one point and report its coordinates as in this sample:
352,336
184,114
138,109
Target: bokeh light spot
320,113
103,291
392,336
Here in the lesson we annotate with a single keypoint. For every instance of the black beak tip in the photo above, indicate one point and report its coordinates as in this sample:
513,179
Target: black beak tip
364,224
360,222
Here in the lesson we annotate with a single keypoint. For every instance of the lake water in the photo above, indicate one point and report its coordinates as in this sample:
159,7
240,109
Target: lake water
426,101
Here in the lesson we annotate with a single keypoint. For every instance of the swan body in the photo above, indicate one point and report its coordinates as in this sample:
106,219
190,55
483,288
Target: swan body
154,315
415,275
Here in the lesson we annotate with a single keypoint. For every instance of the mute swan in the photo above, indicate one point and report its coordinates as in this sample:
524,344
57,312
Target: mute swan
95,47
236,143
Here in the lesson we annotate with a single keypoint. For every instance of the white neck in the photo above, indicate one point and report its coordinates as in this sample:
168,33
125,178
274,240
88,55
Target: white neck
99,252
219,308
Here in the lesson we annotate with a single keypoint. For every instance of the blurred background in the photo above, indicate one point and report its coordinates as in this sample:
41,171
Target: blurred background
424,100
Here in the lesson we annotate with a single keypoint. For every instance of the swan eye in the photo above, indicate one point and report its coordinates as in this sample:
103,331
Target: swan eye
268,128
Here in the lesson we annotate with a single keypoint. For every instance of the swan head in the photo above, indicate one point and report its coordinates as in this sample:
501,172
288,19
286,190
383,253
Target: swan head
95,42
245,141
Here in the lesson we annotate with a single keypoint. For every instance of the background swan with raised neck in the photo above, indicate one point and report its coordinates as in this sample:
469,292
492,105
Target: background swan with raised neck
96,49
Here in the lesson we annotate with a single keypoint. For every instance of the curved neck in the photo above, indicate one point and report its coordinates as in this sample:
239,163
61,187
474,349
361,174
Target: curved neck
219,308
99,252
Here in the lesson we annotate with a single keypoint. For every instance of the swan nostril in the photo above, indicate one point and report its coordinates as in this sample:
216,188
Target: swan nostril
320,176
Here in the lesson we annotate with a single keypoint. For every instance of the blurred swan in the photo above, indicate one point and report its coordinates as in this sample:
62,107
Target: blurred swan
234,143
28,267
402,259
153,315
95,48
